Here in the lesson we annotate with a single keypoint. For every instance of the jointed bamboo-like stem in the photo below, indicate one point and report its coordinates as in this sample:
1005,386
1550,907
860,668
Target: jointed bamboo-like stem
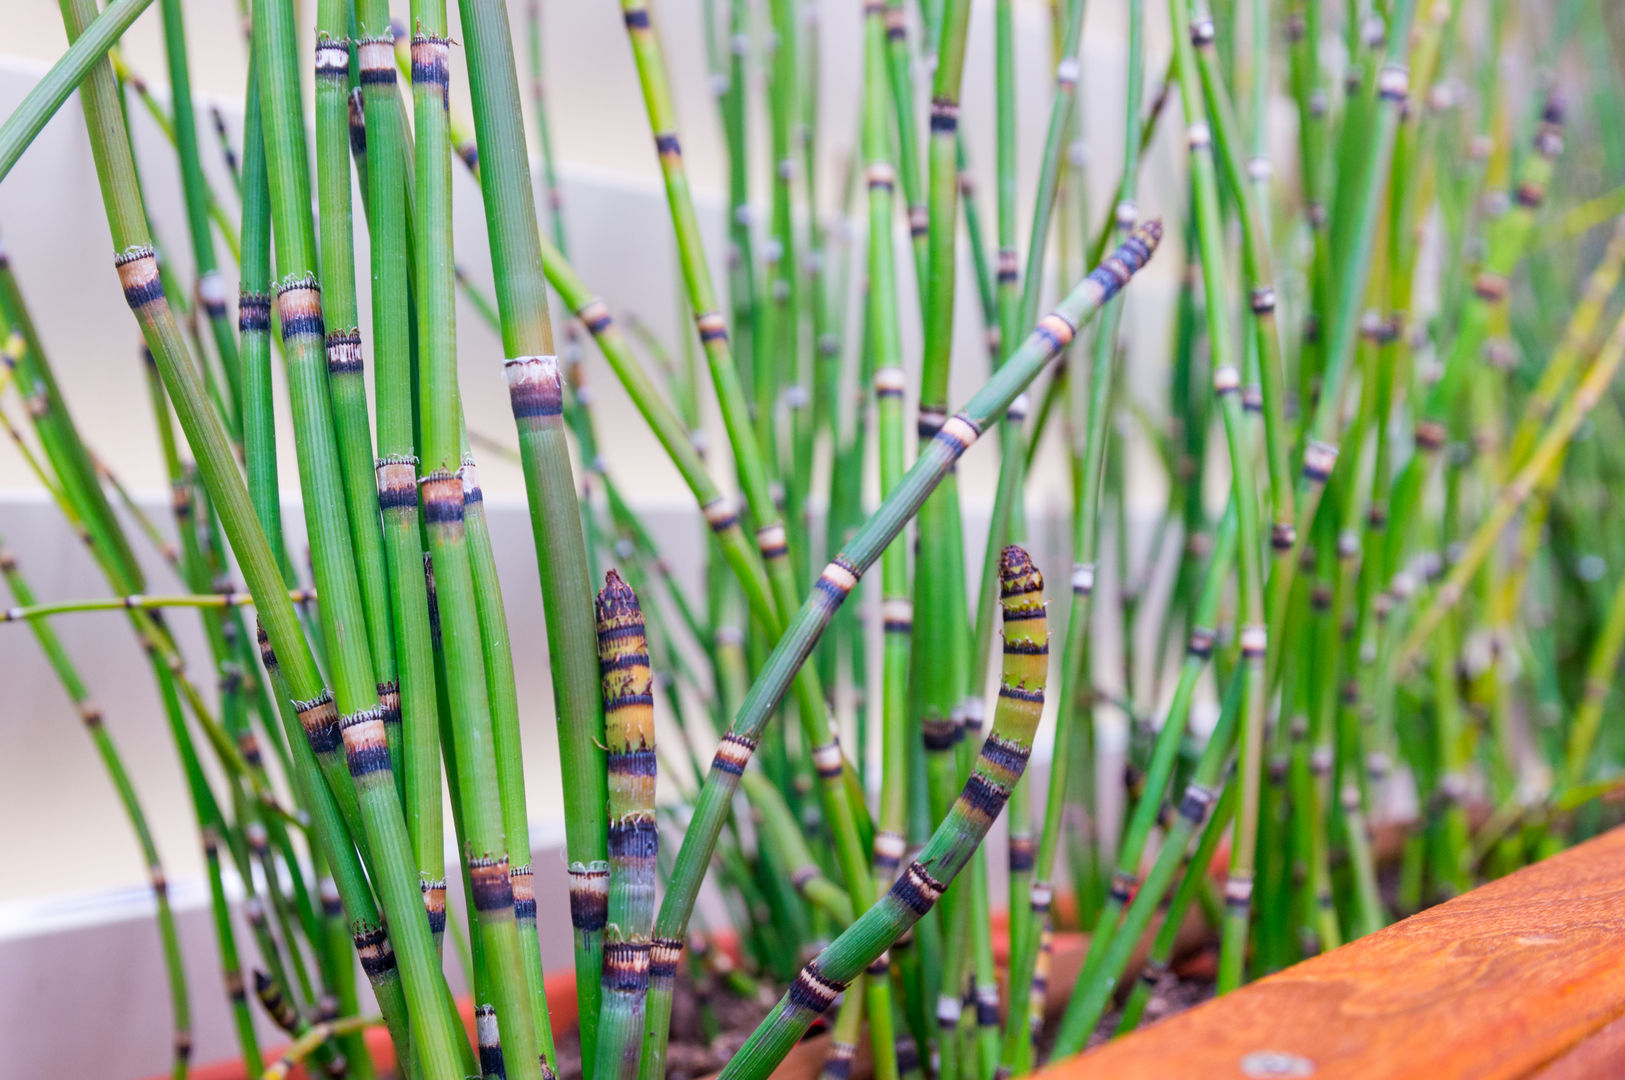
1094,416
351,714
1551,444
998,768
345,364
211,287
1227,386
91,716
447,490
313,1038
141,602
771,535
861,551
535,392
885,350
1095,986
623,652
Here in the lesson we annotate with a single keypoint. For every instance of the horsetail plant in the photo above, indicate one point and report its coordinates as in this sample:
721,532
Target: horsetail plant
1382,310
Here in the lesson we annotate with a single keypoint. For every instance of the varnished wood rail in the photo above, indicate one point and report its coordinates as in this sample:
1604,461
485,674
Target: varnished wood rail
1521,979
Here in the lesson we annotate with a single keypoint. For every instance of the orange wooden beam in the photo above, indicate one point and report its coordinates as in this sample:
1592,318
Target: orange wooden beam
1497,984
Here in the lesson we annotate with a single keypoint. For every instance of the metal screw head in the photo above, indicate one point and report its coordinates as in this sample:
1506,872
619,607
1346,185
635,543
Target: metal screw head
1271,1064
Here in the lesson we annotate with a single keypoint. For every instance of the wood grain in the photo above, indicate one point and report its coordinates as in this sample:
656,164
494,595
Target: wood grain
1494,985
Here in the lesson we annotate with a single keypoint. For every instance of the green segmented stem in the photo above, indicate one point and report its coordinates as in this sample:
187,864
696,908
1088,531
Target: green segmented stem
841,810
254,333
940,654
1091,403
860,553
352,713
1508,239
121,196
1191,881
998,768
211,288
1227,386
345,364
1094,988
1481,541
900,61
37,107
549,482
446,490
1260,317
503,694
623,659
885,354
672,433
1354,267
91,716
385,183
538,103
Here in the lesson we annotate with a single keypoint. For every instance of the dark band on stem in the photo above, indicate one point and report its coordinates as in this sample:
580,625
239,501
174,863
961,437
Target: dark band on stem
535,389
664,954
299,304
813,992
434,904
320,721
138,274
397,484
489,885
366,744
589,898
712,326
344,353
377,60
332,60
917,890
442,497
431,65
1193,807
733,753
523,881
376,953
253,312
626,966
489,1036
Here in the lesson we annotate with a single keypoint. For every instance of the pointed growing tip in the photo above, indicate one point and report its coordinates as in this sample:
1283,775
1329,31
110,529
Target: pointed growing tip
617,601
1151,232
1017,573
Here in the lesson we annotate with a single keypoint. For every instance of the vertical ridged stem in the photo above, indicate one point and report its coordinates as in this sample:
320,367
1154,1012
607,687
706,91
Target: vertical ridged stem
623,660
211,287
352,713
445,491
1227,388
1091,401
1173,919
345,364
1341,324
771,535
1092,995
885,354
536,397
395,468
940,655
